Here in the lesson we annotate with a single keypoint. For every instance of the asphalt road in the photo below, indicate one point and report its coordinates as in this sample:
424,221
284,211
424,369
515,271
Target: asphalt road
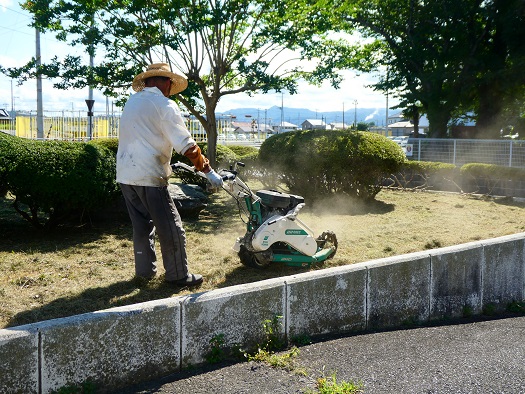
474,357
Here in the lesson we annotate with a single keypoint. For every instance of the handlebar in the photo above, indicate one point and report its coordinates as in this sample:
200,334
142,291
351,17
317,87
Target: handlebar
226,175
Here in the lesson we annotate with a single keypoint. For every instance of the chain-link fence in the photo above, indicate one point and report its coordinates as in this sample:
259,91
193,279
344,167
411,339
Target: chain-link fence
508,153
75,125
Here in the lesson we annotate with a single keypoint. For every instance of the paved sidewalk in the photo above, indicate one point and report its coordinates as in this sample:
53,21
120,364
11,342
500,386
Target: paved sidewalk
480,357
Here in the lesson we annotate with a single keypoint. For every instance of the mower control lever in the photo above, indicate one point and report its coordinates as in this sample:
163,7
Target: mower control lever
225,175
187,168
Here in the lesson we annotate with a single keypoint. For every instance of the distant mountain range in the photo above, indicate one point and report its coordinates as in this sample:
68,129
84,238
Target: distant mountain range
297,116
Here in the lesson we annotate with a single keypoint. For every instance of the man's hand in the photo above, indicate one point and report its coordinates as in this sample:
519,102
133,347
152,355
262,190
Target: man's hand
214,178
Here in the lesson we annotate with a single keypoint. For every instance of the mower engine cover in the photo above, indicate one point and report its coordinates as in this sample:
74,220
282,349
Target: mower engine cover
275,199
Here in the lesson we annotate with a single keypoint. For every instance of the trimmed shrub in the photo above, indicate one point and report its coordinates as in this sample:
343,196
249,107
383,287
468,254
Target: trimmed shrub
109,143
59,179
249,156
491,178
425,175
8,149
316,163
225,156
242,151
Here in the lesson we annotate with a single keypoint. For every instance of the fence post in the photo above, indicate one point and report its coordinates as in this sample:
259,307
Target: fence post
454,156
510,154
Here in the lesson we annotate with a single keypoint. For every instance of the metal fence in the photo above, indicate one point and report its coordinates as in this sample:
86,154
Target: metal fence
510,153
73,125
64,125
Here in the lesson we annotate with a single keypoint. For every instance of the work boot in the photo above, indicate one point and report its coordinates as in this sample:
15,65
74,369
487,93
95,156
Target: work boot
190,280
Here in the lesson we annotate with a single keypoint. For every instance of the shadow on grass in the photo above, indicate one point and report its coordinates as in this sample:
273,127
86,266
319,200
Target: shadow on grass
19,236
117,294
510,202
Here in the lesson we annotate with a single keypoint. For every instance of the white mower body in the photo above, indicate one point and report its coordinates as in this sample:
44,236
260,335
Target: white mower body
287,229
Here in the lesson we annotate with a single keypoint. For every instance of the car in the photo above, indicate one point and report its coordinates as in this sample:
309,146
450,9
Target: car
401,140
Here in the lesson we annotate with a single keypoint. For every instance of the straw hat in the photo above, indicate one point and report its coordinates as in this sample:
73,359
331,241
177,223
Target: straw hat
178,82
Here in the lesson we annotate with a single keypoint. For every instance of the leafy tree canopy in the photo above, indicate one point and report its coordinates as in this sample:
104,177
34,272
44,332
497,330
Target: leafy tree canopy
446,56
223,47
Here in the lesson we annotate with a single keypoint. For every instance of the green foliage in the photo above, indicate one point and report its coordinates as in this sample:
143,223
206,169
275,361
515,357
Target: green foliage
225,156
272,330
423,175
243,151
109,143
449,56
317,163
331,386
217,353
52,180
487,177
516,307
85,388
243,36
8,149
492,171
248,155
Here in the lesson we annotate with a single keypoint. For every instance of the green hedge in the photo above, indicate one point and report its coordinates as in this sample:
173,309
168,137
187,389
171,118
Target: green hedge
109,143
425,175
8,148
481,170
316,163
490,178
52,180
225,156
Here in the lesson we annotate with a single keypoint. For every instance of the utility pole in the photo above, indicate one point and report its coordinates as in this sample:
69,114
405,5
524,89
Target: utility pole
90,103
90,100
386,119
343,115
282,112
39,106
355,113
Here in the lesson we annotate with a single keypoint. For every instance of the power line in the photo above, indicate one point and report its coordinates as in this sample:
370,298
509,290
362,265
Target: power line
16,11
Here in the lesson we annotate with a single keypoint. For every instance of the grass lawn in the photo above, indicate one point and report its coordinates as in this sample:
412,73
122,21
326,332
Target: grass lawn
45,275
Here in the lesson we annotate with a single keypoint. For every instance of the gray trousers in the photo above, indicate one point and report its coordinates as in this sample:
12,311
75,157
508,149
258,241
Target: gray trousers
152,210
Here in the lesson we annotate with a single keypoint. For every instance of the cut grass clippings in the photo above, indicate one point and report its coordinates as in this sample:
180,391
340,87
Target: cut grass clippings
78,269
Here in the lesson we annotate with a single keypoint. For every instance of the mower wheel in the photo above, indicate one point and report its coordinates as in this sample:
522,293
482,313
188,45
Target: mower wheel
326,240
252,259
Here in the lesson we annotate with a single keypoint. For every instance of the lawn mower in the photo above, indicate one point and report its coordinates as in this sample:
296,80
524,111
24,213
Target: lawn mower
274,233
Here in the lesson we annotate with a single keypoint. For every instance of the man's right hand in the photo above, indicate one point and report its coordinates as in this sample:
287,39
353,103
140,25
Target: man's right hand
214,178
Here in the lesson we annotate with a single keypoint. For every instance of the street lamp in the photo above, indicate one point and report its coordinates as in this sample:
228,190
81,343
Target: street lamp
355,113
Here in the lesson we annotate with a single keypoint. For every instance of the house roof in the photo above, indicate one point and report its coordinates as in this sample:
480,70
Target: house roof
315,122
401,125
286,125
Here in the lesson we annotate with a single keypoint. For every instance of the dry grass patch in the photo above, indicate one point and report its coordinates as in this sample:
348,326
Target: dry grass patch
82,269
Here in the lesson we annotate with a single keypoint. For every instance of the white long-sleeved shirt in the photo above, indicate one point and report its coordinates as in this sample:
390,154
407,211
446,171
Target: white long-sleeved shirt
151,126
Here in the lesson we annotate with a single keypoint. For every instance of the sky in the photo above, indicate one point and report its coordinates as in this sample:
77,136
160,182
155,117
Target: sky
18,46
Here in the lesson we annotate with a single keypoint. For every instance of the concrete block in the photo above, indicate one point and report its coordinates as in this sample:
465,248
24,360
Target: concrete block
456,281
328,301
19,360
503,271
237,313
112,348
399,291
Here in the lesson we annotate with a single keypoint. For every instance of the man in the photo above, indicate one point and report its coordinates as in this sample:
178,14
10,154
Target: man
151,127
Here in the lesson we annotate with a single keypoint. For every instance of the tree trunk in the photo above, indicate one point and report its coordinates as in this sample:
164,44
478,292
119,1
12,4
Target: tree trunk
416,126
211,131
438,118
490,106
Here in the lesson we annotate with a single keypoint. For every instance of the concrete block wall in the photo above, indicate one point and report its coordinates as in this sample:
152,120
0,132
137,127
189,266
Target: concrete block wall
125,345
